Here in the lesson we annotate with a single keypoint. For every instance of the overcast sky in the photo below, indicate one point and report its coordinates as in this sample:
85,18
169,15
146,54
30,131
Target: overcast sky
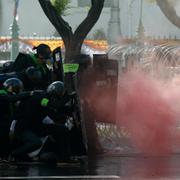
33,20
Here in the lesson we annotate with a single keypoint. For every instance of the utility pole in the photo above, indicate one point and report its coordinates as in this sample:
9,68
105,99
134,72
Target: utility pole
15,33
114,31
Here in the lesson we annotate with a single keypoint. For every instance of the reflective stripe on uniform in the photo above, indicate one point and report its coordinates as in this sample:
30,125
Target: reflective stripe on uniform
44,102
2,91
70,68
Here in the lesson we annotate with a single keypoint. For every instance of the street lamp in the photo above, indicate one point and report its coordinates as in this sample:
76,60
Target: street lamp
15,33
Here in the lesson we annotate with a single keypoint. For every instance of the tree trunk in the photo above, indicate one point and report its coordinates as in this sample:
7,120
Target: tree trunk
169,11
72,41
72,50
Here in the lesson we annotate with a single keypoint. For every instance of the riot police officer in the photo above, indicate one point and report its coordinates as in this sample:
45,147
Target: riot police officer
42,53
31,78
9,94
30,127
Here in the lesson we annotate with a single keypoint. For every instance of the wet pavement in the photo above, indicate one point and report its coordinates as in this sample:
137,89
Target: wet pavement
126,166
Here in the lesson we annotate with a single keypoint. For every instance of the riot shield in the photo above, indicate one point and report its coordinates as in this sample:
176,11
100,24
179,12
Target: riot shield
78,134
58,64
104,89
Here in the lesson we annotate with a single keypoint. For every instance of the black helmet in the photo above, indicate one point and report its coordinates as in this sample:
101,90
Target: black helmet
56,88
43,50
33,74
13,85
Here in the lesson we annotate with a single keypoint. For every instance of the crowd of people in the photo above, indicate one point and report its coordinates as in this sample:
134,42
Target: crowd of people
36,112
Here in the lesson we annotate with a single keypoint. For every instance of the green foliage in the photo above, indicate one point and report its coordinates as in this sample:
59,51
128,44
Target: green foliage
61,5
99,34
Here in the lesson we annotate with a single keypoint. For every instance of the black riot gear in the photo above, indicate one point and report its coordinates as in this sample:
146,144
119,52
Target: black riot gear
43,51
13,85
56,88
33,74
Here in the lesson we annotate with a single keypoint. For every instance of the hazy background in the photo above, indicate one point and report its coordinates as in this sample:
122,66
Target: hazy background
32,19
